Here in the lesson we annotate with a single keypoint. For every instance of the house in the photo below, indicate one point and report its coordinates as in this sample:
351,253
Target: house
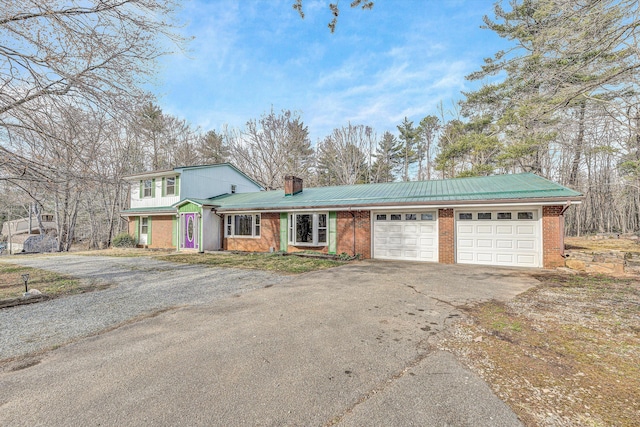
508,220
153,218
23,234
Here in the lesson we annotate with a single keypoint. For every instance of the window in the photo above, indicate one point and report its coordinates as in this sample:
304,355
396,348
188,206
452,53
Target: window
465,215
308,229
504,215
426,217
396,217
147,188
144,225
170,186
484,215
243,225
525,215
381,217
233,188
410,217
257,225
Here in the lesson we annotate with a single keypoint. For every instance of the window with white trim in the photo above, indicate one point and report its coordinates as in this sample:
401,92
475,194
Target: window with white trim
147,186
170,186
243,225
144,225
308,229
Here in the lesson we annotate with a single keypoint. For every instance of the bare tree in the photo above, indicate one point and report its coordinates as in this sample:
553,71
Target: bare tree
272,147
97,52
342,156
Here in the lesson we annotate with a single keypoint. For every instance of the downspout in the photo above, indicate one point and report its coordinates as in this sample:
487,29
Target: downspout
567,206
223,227
353,216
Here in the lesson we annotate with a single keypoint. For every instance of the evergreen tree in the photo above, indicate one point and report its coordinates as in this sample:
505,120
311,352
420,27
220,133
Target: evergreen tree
408,154
387,158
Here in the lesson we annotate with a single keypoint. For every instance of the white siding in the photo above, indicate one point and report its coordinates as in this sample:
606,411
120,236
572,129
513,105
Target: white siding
206,182
211,231
151,202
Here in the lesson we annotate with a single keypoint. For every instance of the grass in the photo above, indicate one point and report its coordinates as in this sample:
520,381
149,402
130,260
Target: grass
563,353
583,243
270,262
49,283
277,262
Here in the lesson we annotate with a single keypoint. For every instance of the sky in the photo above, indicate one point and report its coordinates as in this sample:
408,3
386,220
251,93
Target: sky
403,58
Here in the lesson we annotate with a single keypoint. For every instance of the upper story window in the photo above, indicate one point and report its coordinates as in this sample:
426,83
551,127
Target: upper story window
308,229
233,188
243,225
170,186
147,188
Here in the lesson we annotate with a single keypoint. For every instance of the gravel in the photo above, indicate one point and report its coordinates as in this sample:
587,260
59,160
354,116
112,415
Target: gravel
140,286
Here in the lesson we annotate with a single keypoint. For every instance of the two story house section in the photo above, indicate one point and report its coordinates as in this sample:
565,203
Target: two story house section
164,205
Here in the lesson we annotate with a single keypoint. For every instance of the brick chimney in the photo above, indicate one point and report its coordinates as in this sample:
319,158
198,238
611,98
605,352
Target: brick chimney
292,185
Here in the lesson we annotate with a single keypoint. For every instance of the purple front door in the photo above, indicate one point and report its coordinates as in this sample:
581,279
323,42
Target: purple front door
190,227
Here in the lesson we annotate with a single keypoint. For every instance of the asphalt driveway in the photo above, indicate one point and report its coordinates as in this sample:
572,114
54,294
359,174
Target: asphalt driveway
347,346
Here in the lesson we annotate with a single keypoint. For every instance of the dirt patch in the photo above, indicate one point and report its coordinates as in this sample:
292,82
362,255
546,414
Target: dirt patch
562,354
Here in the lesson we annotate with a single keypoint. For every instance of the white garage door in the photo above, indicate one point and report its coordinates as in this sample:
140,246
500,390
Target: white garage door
411,236
506,237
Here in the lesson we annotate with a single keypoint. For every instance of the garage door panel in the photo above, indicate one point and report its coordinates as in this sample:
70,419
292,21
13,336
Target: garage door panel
465,229
484,243
465,256
504,244
525,229
427,242
504,258
465,243
504,230
526,244
484,257
484,229
411,241
527,260
427,229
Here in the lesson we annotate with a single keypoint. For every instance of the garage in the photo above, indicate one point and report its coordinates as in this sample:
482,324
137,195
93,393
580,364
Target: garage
505,237
409,236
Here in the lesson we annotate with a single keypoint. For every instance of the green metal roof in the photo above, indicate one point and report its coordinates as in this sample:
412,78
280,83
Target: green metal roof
499,188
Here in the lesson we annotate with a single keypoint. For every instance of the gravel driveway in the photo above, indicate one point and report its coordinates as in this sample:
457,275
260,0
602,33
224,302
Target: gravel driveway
140,286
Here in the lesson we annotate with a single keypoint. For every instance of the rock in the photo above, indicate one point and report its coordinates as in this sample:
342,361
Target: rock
477,339
32,293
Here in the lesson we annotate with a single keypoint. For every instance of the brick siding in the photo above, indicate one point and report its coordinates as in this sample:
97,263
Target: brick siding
345,222
552,237
269,236
446,237
161,231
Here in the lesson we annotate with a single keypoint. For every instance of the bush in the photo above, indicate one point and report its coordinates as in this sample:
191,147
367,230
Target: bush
123,240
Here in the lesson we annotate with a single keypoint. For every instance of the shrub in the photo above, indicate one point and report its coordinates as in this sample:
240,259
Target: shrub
123,240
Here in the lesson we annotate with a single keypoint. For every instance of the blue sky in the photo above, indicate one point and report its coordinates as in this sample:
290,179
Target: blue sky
402,58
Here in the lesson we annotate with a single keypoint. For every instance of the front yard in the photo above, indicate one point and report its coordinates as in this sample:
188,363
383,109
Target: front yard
562,354
47,282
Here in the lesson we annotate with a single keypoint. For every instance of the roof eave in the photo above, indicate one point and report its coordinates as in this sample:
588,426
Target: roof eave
413,204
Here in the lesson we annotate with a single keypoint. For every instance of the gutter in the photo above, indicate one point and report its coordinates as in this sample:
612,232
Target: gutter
388,206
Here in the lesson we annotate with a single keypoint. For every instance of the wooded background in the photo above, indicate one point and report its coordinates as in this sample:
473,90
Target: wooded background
563,103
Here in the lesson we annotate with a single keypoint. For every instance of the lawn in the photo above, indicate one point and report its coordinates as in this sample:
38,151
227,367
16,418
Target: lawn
278,262
271,262
563,353
49,283
591,244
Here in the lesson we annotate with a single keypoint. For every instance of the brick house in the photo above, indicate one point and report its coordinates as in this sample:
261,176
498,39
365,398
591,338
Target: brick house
153,218
508,220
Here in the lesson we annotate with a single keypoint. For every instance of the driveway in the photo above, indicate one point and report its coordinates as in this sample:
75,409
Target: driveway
348,346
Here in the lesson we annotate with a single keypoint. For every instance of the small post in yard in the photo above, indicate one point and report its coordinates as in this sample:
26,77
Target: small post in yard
25,277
